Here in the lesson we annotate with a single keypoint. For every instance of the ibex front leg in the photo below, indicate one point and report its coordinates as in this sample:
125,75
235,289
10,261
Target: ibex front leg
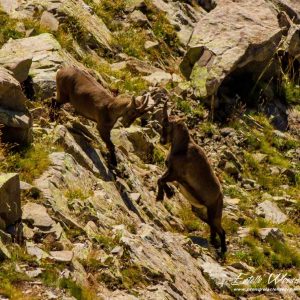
162,185
105,135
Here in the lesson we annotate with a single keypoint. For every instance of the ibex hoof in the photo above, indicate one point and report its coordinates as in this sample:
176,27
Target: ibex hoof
159,197
169,191
113,161
224,249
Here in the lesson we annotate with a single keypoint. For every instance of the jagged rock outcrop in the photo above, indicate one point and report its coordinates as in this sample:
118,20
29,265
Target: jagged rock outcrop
182,15
14,116
47,56
99,231
19,66
235,35
73,11
10,200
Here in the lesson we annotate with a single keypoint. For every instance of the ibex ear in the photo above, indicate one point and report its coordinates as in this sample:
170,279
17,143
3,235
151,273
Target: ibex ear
133,101
165,112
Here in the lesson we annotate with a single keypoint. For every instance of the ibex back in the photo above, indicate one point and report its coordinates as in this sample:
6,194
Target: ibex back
188,165
91,100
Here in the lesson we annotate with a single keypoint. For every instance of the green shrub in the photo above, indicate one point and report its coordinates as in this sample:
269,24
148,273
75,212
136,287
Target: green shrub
121,80
77,291
8,29
30,162
190,221
284,256
131,41
291,90
132,277
159,156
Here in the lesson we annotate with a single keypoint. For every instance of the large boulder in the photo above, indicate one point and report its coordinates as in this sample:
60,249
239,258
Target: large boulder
235,35
36,215
74,12
47,56
10,199
19,66
15,118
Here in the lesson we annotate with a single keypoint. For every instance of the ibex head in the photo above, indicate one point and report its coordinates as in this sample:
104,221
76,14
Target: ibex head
169,124
136,109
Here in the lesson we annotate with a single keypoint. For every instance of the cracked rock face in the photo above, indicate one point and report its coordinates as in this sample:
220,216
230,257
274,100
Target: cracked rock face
231,36
10,201
182,15
47,56
14,115
163,255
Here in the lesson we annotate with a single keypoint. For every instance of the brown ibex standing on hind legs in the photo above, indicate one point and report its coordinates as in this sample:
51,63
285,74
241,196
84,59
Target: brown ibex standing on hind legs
188,165
91,100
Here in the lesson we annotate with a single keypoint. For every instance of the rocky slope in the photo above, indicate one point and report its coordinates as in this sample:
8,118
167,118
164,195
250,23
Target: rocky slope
73,228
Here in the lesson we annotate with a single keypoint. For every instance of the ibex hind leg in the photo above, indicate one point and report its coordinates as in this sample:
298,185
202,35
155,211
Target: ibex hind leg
216,228
203,215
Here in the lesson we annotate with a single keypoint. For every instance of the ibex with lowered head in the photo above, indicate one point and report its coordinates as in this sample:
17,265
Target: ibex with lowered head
91,100
188,165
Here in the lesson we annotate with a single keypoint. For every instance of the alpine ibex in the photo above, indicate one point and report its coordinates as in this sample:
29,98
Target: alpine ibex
91,100
188,165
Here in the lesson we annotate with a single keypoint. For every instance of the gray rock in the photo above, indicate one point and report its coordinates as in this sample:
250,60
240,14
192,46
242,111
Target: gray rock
19,66
62,256
216,49
49,21
150,44
47,56
134,140
163,254
78,146
10,201
36,215
218,275
34,273
118,250
11,95
159,77
14,115
135,65
260,157
227,131
271,233
271,212
4,253
98,34
34,250
28,233
139,18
